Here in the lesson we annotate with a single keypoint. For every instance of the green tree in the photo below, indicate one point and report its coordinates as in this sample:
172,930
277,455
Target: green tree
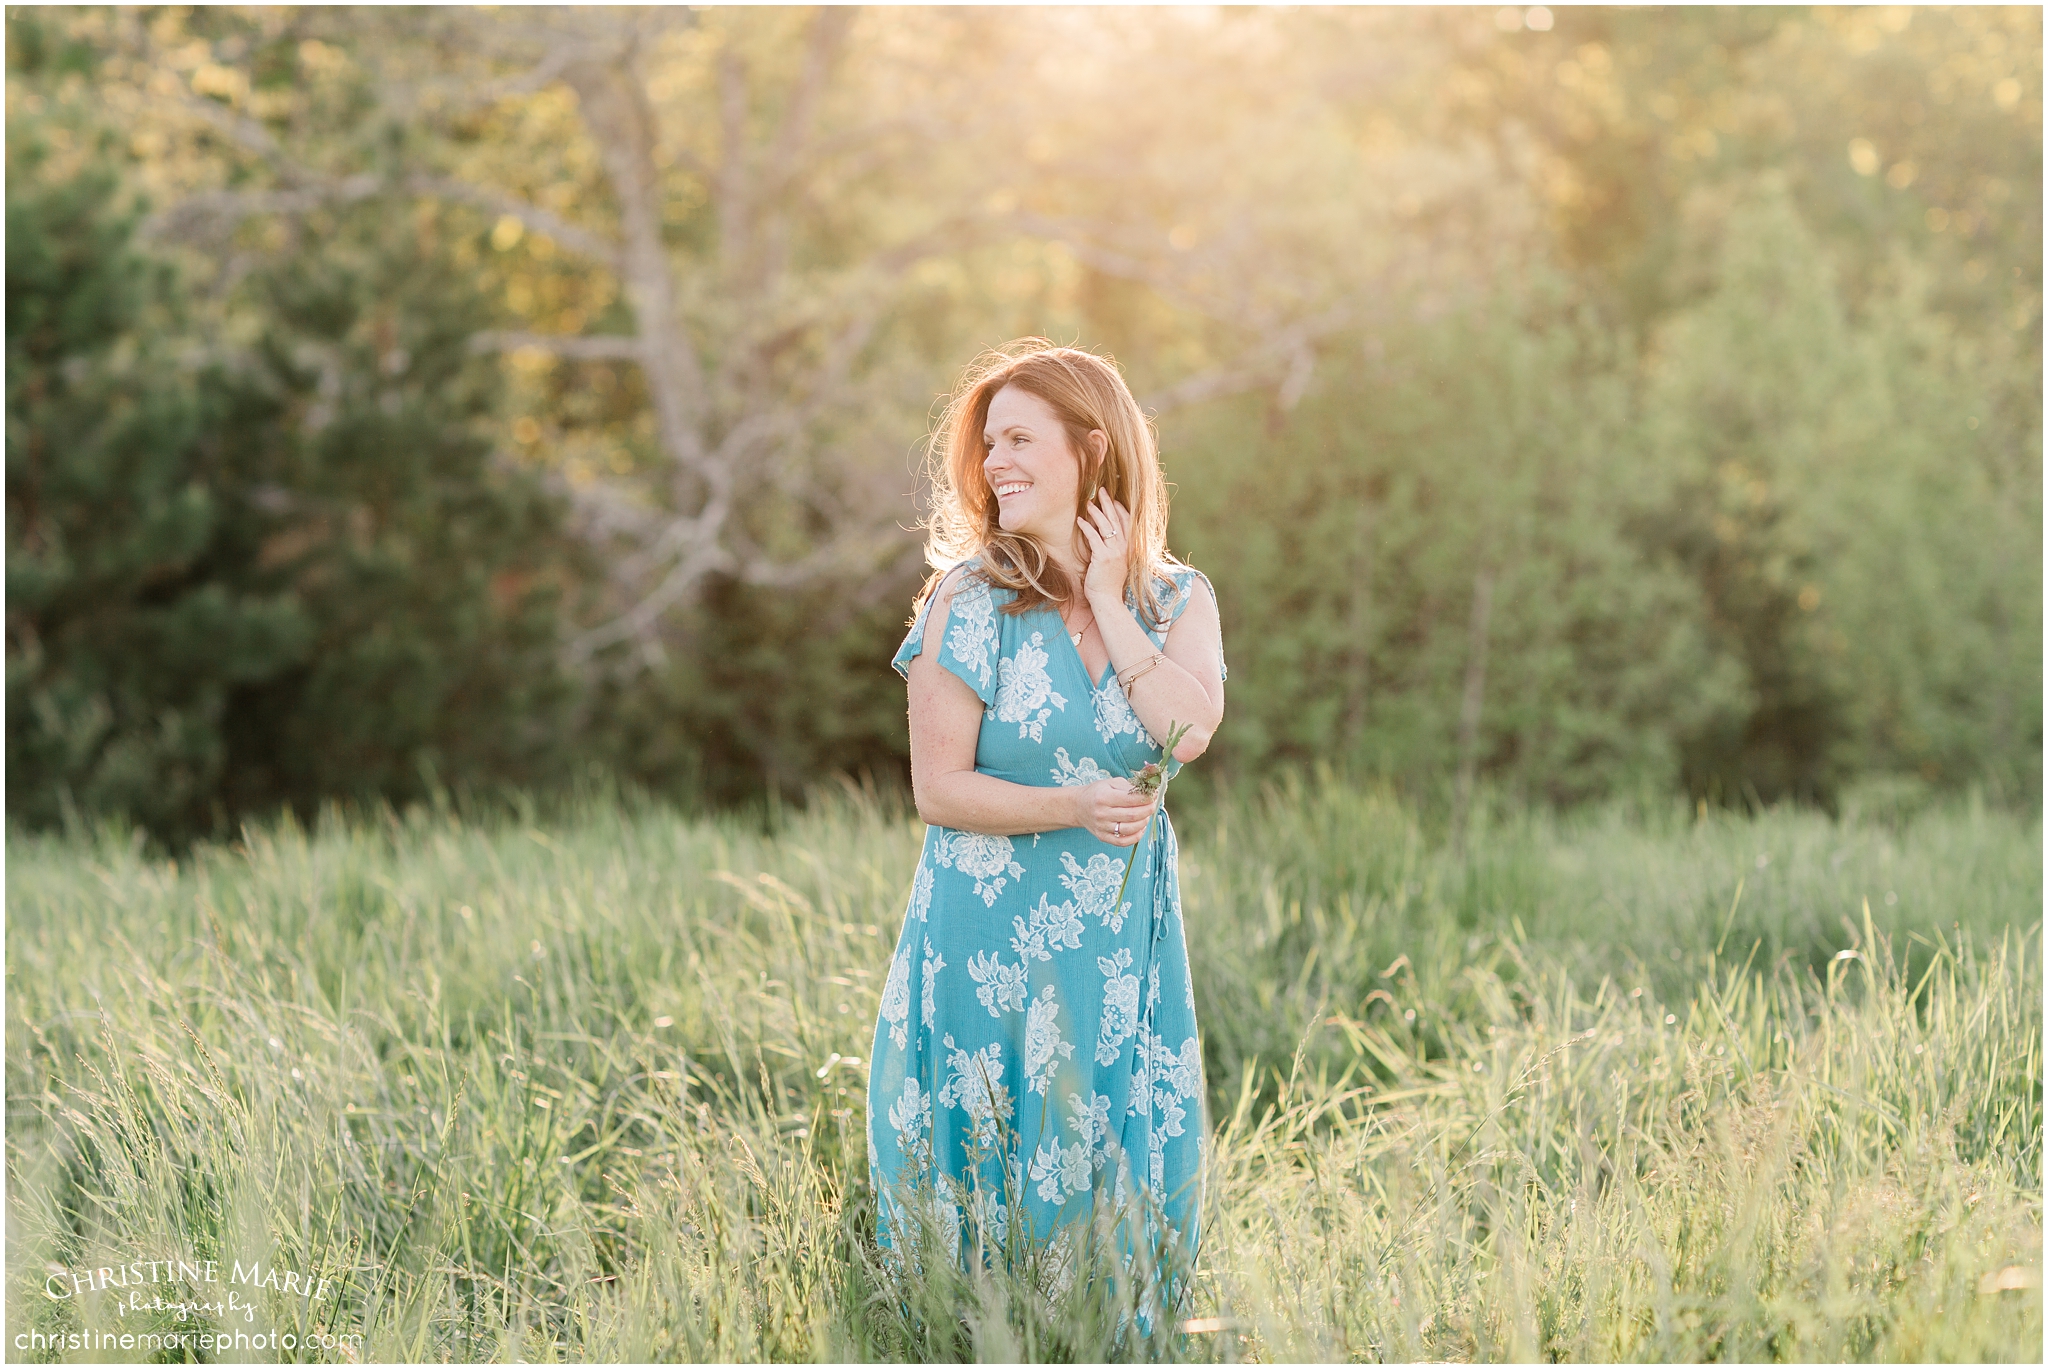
432,577
122,649
1427,562
239,578
1512,450
1869,560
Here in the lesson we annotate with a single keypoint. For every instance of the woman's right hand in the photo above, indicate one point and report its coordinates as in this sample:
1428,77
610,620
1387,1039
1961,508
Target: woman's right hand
1114,810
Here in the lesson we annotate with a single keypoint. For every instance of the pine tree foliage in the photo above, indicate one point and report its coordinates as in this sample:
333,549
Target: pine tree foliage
269,575
124,644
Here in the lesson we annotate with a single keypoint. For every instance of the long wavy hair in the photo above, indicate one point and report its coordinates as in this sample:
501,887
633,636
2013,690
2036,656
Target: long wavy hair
1088,394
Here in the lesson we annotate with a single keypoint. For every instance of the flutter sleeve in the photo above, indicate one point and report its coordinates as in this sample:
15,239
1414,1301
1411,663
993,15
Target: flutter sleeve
973,638
1176,600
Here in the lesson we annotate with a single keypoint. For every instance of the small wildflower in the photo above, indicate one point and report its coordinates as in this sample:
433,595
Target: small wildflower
1151,779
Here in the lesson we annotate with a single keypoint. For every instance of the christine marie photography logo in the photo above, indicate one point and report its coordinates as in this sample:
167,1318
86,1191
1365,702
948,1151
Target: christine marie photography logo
183,1290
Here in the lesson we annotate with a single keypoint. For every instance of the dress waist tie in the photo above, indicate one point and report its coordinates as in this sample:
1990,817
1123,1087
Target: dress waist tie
1158,858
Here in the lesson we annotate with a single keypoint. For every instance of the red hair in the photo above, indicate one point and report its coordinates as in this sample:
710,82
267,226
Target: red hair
1088,394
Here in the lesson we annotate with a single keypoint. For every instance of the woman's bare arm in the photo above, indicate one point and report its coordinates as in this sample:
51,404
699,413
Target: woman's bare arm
1186,687
945,726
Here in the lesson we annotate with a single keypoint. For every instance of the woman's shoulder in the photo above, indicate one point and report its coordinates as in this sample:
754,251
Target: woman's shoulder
959,612
959,606
963,582
1176,582
1182,585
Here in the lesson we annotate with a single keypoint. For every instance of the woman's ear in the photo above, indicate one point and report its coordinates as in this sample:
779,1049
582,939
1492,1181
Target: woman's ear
1098,456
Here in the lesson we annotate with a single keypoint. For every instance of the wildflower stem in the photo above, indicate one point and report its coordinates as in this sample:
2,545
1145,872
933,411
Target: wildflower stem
1151,780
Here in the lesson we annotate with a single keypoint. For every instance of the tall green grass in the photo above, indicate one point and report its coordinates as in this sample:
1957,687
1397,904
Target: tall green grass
1628,1084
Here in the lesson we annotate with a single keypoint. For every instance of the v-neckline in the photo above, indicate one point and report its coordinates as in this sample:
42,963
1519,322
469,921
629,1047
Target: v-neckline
1108,666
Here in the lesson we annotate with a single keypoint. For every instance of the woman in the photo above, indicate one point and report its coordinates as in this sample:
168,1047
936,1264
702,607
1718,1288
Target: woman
1036,1069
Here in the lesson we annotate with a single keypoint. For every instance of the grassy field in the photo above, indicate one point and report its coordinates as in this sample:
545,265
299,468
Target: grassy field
1630,1084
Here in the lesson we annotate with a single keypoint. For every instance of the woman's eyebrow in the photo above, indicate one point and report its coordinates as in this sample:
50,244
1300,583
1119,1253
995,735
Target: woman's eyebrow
988,433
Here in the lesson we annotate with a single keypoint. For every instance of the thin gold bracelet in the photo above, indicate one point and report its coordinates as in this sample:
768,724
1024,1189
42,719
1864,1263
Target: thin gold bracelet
1137,672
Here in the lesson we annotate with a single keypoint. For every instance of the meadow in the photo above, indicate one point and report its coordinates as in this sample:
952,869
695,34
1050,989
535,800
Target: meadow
1636,1082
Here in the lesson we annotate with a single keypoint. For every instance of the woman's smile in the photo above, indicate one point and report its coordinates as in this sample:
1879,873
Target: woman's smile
1030,467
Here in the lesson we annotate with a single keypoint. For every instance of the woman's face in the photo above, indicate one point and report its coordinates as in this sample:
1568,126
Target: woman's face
1031,467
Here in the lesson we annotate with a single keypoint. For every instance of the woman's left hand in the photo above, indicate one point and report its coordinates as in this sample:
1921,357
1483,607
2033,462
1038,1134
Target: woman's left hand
1106,526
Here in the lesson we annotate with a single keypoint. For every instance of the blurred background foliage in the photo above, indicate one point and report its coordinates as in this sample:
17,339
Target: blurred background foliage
1607,401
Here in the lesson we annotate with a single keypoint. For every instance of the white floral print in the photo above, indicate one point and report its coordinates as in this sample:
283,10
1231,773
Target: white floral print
971,627
990,1217
1091,1120
1173,1079
1181,1073
976,1087
1059,1170
1058,1267
1052,927
1095,887
927,1206
911,1116
1119,1005
1002,986
896,1001
933,963
1063,1171
1113,715
921,893
1026,686
1068,772
985,858
1042,1040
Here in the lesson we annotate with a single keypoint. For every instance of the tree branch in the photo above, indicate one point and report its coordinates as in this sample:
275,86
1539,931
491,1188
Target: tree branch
730,185
189,218
590,347
239,129
615,111
307,189
1288,356
638,622
1109,261
849,548
826,39
469,96
586,242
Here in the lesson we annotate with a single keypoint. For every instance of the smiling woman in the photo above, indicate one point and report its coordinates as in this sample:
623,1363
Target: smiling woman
1057,646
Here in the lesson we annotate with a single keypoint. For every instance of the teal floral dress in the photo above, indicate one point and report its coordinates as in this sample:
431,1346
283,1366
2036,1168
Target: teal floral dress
1036,1055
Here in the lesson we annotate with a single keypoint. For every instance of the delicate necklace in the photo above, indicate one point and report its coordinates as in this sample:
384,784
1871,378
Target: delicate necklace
1075,637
